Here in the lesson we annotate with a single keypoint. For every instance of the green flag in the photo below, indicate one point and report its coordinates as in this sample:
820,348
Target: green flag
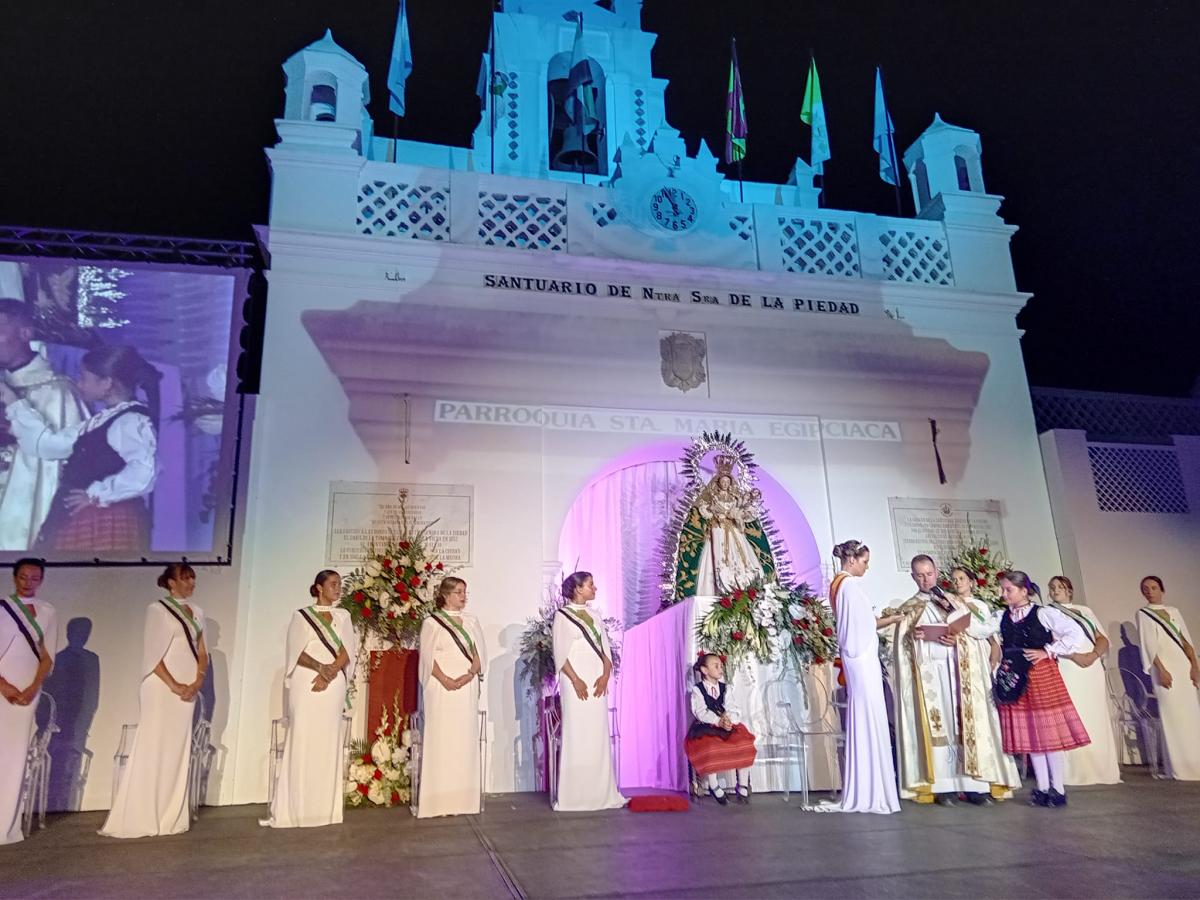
735,113
812,113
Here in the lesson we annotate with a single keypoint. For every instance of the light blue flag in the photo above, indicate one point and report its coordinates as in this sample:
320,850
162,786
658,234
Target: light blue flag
884,139
401,65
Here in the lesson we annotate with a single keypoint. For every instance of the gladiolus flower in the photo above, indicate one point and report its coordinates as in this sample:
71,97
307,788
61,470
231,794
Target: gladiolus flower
804,624
737,635
404,545
428,567
366,759
798,639
727,603
414,581
752,593
359,596
412,613
439,567
828,632
983,551
378,776
387,563
362,789
982,582
395,797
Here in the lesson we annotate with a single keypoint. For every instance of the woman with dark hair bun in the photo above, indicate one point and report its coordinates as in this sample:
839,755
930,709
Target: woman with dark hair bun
451,668
152,794
1036,713
870,776
1167,653
583,661
318,666
111,461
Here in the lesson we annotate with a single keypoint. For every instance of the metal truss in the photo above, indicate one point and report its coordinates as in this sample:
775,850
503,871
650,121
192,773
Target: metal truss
18,240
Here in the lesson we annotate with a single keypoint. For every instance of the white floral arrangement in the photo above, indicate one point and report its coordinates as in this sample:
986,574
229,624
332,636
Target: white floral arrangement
380,773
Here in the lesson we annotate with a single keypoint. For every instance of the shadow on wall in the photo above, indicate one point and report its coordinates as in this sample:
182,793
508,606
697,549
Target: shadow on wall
75,686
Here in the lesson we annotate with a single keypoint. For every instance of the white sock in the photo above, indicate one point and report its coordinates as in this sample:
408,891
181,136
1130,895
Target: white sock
1041,770
723,780
1058,765
743,778
712,781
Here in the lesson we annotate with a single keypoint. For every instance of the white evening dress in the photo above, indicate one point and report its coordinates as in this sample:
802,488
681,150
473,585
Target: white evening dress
869,782
585,773
1095,763
310,783
152,795
450,750
18,666
1178,705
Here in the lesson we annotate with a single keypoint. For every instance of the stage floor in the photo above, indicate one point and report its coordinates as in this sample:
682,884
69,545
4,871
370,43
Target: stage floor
1133,840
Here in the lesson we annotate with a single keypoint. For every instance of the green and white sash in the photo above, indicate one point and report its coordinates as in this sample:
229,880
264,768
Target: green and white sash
590,633
458,633
1079,619
325,631
26,623
1164,622
192,629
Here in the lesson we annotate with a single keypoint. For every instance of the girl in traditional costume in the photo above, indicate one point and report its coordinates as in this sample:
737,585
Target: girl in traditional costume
110,458
1036,713
1083,674
583,661
1169,657
28,643
451,674
321,651
869,780
718,744
152,797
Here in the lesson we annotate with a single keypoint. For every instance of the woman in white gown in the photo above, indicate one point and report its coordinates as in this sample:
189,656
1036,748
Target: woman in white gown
583,661
28,643
869,782
451,673
321,651
1083,674
1169,657
152,795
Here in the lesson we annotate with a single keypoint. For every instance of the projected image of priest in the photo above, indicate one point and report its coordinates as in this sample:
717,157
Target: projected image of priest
30,481
111,458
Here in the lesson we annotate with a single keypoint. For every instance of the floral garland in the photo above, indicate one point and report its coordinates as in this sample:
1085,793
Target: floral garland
773,622
379,773
694,476
535,661
987,568
391,593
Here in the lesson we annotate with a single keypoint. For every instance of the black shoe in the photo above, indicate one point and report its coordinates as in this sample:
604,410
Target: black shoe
718,794
945,800
743,794
978,798
1055,799
1039,798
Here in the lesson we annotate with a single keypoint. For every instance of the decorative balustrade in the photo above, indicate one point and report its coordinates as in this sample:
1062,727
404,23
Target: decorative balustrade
433,204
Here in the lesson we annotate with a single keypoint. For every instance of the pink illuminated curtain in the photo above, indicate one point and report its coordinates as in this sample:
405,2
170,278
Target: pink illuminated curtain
614,529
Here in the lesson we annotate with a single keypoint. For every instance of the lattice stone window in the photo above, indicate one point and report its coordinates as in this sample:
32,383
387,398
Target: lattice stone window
819,247
525,221
916,256
742,226
404,210
603,214
1136,479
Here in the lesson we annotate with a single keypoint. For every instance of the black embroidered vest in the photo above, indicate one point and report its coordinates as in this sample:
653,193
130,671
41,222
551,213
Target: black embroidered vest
716,705
92,459
1028,634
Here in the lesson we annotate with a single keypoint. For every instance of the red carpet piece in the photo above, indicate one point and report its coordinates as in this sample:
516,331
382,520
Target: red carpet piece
659,803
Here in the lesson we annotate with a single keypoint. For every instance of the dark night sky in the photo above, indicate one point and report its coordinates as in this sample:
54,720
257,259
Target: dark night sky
151,115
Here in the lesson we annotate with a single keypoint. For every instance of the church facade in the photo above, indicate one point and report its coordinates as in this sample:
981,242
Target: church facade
543,321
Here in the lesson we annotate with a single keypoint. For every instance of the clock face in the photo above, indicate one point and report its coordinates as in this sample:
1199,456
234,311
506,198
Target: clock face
673,209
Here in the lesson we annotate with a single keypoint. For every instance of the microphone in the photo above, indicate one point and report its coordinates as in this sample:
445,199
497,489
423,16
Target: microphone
943,601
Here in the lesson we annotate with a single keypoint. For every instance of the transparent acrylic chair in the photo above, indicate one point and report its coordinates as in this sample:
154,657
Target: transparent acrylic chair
201,757
279,730
36,786
1138,727
789,738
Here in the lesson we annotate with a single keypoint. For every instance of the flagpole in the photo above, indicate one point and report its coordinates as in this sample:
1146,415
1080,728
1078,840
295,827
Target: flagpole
737,69
891,144
491,94
582,173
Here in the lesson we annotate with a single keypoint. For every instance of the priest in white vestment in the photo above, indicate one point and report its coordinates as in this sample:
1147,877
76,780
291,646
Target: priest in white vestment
1169,657
451,665
583,661
28,644
27,493
321,650
941,744
1084,675
152,796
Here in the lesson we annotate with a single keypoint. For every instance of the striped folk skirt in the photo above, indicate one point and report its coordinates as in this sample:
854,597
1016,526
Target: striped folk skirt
123,526
1044,719
709,752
